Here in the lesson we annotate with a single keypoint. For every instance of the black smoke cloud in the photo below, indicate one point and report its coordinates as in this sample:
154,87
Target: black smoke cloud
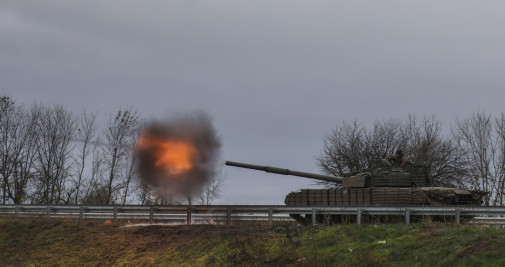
195,128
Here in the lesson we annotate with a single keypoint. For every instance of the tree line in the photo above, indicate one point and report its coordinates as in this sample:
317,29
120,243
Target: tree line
471,154
48,155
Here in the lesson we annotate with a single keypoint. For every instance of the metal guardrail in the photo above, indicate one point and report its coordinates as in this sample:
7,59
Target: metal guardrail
220,214
225,214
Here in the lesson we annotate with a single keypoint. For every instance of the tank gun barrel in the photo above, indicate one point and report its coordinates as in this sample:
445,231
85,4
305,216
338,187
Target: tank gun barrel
276,170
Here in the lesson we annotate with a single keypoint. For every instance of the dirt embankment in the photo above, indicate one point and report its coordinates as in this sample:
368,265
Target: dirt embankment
67,243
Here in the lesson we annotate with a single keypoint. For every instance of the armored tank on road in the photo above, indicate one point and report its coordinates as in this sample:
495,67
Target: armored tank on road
381,186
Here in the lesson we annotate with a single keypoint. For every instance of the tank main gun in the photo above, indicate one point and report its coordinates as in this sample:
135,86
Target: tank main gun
277,170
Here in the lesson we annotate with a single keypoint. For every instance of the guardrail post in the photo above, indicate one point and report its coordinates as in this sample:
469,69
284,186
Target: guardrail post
228,216
81,212
188,215
358,216
457,212
313,216
270,223
115,214
16,212
151,214
407,217
48,211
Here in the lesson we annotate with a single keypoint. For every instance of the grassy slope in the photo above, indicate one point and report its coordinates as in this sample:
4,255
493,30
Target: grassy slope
62,242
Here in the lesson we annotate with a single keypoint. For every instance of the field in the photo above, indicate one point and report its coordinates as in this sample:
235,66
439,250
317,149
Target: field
40,242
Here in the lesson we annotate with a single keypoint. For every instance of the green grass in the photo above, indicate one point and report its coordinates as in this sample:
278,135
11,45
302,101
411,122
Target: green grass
68,243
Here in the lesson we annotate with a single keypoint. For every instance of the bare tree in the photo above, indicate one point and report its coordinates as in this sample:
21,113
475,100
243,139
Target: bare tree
25,172
212,190
144,193
16,150
130,165
473,136
86,144
117,147
10,118
344,149
352,147
130,173
500,157
56,128
387,136
96,181
426,146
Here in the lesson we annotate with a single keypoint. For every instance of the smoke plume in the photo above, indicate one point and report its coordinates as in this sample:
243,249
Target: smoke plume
180,155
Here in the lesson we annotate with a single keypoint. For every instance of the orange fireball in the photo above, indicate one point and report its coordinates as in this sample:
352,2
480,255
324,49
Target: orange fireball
171,156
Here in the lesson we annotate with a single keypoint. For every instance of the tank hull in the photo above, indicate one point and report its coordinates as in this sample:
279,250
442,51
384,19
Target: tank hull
382,196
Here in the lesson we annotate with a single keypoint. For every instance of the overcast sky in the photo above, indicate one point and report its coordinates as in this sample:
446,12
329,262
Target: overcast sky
275,76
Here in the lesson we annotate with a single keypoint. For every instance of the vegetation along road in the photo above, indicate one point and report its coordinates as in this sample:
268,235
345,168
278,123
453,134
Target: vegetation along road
95,243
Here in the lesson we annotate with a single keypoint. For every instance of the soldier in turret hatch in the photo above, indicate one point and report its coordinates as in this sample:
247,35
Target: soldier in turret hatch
399,159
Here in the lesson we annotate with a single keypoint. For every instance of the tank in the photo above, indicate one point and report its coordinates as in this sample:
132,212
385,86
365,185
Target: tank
409,185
